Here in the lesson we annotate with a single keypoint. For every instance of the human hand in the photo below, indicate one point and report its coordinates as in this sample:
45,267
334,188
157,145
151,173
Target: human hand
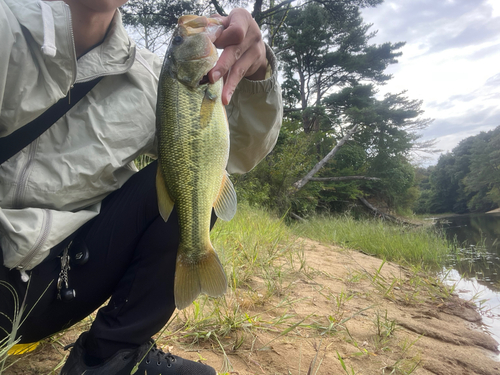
243,55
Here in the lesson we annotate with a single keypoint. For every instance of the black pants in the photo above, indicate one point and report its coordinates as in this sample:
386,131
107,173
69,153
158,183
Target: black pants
132,260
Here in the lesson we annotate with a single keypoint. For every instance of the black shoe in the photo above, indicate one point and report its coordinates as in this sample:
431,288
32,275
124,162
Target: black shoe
150,360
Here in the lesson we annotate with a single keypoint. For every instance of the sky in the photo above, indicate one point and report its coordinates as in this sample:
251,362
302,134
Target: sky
451,61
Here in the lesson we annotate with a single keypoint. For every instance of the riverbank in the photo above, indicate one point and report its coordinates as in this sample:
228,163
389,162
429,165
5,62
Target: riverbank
376,316
296,304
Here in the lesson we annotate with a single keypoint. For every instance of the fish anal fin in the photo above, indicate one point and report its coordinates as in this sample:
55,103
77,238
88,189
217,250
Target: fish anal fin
207,106
203,276
226,203
165,203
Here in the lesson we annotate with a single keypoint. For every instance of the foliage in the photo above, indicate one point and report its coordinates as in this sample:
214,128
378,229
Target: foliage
388,134
466,179
269,184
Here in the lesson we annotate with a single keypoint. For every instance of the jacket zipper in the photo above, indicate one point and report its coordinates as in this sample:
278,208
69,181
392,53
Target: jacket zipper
75,64
21,186
72,35
46,226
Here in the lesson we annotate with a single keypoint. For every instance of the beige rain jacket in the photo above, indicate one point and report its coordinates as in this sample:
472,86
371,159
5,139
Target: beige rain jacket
56,184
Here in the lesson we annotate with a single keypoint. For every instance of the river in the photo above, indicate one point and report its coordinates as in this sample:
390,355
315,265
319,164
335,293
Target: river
475,269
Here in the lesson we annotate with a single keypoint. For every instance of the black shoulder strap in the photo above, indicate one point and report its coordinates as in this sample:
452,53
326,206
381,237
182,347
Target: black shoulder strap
22,137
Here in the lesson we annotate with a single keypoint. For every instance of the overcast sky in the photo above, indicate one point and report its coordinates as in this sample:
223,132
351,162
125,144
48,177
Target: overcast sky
451,61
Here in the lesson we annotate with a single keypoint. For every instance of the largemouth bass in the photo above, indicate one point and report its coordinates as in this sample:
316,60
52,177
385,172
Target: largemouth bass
193,149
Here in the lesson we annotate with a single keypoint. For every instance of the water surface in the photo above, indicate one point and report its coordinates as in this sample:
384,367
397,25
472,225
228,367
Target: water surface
475,269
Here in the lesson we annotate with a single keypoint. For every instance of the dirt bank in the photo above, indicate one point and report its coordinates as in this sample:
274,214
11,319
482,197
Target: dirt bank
344,309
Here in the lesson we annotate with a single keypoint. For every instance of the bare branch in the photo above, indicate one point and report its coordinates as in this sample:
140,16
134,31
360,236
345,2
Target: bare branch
218,8
288,110
273,9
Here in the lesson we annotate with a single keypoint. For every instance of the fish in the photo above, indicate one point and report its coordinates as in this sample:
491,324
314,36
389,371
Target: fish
193,150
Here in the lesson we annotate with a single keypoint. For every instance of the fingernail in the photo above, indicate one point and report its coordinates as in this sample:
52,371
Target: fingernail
216,75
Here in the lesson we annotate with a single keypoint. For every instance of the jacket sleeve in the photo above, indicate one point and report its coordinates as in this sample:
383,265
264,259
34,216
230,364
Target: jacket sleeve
30,83
8,39
254,114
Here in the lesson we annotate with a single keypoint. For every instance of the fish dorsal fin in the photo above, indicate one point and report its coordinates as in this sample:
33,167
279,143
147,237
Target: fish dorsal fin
165,203
207,106
226,202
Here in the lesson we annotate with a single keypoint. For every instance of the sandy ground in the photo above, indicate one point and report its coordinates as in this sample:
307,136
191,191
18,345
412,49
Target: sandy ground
350,315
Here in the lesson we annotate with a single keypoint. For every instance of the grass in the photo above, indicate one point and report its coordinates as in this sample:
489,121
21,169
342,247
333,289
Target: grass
8,342
417,246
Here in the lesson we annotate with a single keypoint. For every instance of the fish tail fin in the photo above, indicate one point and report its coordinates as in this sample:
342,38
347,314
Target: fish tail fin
205,275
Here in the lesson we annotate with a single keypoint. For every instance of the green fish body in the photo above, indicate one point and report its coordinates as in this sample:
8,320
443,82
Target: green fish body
193,149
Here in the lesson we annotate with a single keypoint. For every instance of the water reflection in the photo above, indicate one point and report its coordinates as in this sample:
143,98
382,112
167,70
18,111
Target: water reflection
476,263
477,241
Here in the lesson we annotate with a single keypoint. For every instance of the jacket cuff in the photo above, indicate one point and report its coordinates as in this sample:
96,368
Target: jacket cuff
264,86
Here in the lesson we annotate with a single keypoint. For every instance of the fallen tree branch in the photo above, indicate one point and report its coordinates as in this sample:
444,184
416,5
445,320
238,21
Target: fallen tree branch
297,217
384,215
300,183
343,178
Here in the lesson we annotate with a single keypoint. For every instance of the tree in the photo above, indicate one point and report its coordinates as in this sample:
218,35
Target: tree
152,21
483,180
323,50
468,178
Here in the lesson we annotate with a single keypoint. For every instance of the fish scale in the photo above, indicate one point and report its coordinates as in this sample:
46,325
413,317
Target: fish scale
191,162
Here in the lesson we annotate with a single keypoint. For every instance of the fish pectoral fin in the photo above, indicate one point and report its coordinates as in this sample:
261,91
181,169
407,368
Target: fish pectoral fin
192,278
165,203
226,203
207,106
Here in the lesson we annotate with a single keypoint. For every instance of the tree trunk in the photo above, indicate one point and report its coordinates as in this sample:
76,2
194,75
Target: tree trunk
383,215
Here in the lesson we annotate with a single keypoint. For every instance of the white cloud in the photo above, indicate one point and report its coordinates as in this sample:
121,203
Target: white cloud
450,61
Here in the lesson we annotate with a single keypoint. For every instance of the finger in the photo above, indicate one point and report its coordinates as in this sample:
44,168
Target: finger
241,34
239,70
229,56
235,31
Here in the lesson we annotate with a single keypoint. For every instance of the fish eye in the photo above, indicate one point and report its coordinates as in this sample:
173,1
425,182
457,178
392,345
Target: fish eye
177,40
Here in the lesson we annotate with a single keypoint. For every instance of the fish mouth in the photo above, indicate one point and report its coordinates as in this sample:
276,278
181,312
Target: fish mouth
204,80
191,25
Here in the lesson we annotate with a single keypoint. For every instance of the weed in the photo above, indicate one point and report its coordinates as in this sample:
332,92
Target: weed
344,367
10,340
385,327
